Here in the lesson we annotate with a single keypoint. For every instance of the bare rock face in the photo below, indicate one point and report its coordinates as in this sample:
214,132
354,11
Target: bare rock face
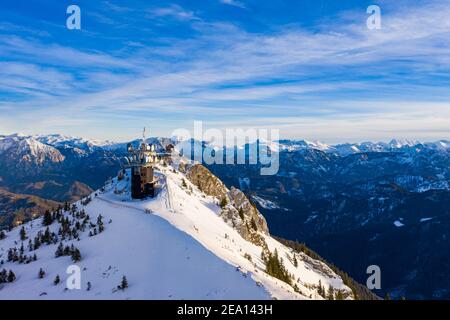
237,210
240,201
206,181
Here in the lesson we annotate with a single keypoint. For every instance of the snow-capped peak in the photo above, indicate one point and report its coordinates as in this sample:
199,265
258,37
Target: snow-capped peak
400,143
62,141
27,148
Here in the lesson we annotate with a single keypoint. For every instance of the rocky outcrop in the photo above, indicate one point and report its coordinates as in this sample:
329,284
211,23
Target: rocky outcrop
206,181
237,210
240,201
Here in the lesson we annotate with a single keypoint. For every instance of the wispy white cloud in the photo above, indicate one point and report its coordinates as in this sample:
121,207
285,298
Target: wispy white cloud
173,11
234,3
55,54
341,76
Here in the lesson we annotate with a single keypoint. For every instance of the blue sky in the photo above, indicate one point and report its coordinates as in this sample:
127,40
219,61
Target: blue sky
309,68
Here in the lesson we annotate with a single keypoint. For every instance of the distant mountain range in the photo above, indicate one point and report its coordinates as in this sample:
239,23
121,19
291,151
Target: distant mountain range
357,204
344,149
52,167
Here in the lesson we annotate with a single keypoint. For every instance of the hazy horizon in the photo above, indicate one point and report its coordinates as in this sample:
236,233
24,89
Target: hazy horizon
281,138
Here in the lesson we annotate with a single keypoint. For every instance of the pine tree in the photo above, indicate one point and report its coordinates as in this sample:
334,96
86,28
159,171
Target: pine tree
47,236
10,255
48,219
23,234
339,295
123,284
41,273
60,250
276,268
57,280
223,202
89,286
66,251
183,183
319,289
330,295
37,243
3,276
253,224
2,235
295,261
100,224
11,276
76,255
241,214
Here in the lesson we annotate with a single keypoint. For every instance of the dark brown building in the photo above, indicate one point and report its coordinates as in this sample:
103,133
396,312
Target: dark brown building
141,162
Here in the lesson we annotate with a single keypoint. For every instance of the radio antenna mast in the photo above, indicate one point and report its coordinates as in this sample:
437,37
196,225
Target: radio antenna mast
143,134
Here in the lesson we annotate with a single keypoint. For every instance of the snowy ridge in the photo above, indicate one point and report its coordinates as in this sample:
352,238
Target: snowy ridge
26,148
88,145
345,149
62,141
174,246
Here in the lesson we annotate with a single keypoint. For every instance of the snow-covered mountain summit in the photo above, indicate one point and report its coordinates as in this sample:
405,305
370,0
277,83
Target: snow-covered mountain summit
69,142
21,149
186,243
345,149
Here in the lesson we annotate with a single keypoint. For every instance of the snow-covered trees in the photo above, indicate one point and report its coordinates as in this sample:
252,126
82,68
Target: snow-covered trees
15,255
321,290
253,224
339,295
7,276
330,294
294,261
57,280
41,273
48,218
223,202
11,276
76,255
59,251
123,284
71,251
101,226
276,268
23,234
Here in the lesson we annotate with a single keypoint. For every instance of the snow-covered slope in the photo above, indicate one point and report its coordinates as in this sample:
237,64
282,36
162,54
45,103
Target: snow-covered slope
20,148
174,246
69,142
346,149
